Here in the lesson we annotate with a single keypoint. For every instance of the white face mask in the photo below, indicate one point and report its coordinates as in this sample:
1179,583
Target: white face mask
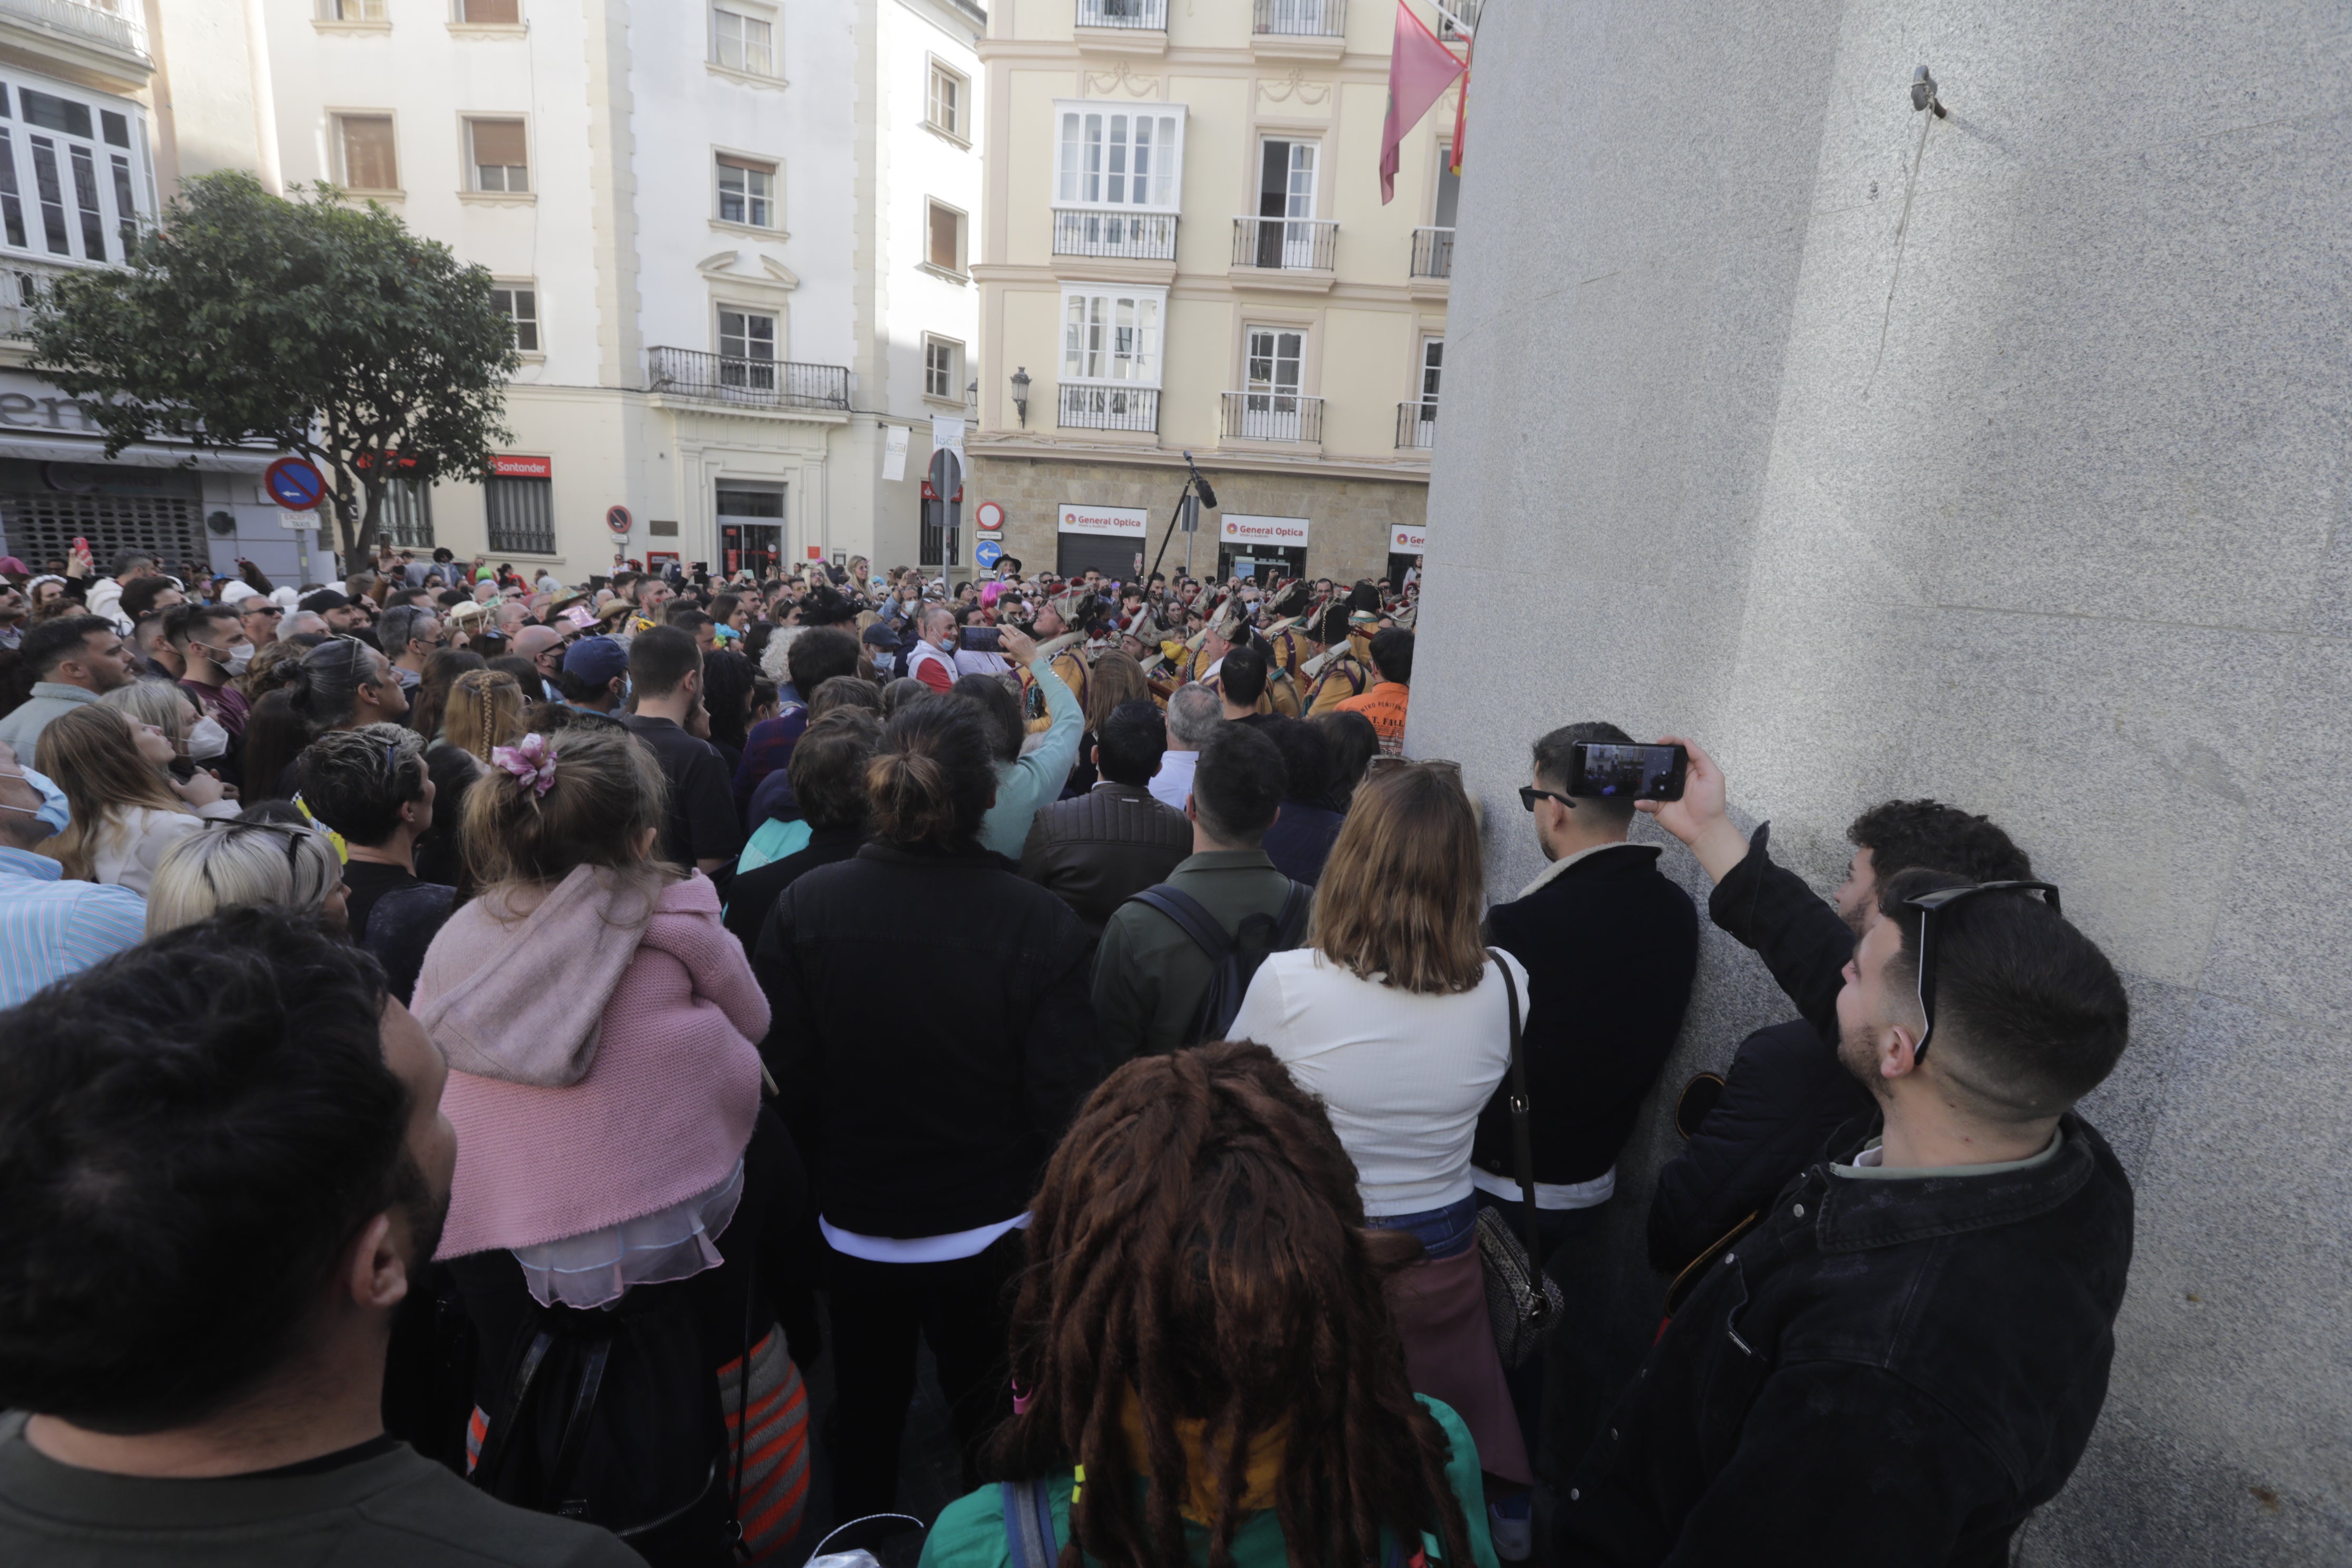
206,740
235,660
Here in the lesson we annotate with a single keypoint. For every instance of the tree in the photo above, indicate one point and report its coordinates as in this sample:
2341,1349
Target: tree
311,325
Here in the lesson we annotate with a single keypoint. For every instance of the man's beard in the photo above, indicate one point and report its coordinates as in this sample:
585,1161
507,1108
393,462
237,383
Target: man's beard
1857,1052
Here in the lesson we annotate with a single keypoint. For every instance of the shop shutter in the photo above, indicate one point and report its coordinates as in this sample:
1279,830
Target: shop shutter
42,526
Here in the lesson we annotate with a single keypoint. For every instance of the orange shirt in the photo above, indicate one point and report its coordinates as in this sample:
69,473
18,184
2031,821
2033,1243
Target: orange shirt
1384,705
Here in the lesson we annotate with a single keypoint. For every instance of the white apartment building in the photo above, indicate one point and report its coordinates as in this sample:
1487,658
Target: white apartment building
734,236
83,130
1187,250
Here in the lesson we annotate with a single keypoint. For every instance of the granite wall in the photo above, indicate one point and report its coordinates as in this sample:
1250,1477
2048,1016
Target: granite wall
2006,466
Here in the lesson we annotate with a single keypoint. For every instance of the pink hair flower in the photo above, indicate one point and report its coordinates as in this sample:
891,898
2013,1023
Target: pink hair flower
530,761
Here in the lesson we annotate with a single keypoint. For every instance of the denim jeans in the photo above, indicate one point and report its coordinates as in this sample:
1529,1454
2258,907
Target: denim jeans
1447,1231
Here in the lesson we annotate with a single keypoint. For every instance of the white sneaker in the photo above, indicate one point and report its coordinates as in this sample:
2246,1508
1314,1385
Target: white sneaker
1515,1539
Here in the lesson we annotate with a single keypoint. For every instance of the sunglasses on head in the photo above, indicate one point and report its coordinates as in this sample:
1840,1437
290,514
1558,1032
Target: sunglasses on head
1927,904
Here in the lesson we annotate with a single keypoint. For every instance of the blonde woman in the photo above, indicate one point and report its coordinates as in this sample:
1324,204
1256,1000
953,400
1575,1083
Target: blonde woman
486,711
194,735
601,1028
128,809
1393,1015
237,864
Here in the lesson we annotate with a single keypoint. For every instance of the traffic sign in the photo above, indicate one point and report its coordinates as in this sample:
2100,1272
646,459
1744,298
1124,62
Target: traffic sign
988,553
295,483
988,517
617,518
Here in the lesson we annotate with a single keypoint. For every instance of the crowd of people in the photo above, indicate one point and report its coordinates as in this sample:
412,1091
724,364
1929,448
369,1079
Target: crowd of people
476,1048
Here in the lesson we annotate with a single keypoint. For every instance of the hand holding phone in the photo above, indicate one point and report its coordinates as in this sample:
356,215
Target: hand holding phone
1609,772
1700,816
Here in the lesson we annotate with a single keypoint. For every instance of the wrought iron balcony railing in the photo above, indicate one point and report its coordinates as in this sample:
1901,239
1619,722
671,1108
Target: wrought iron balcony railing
1416,425
755,383
1146,14
1273,417
118,25
1302,18
1093,231
1285,243
1433,253
1109,408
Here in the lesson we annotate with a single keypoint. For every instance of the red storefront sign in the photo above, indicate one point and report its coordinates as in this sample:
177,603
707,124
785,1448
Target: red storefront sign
513,467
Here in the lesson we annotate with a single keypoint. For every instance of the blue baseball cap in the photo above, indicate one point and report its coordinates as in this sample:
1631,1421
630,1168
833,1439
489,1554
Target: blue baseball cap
596,660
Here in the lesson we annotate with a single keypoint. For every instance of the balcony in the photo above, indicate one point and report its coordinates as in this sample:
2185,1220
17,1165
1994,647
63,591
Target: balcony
1433,253
1273,417
1123,26
1286,253
747,383
1133,237
1109,408
1140,16
1299,29
22,285
117,27
1416,425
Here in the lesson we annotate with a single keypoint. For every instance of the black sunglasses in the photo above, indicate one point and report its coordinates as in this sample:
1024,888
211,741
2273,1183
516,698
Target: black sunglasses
292,834
1530,795
1943,899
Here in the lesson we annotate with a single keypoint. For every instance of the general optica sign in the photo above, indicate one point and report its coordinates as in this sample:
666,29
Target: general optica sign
1407,539
1240,528
1119,522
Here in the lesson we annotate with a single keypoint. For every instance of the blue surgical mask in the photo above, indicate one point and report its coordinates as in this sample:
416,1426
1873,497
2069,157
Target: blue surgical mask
53,810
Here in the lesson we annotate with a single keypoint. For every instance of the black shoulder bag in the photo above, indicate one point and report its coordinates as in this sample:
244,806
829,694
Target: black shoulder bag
1523,1302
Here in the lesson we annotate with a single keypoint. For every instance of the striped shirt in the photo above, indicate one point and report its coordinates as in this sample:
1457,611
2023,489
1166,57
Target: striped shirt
50,927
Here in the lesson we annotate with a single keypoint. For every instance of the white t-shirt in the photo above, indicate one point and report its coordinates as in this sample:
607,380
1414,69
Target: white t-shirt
1403,1076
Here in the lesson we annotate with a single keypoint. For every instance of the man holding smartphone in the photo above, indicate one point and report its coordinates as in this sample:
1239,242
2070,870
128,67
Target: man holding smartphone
1905,1354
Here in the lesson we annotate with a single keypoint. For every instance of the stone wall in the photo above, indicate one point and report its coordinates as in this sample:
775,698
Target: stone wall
1352,518
2007,468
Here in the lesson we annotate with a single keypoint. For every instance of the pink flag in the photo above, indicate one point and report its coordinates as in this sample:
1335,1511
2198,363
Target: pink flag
1420,70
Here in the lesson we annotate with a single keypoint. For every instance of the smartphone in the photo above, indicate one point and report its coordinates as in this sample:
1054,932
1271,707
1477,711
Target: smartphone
1627,772
983,640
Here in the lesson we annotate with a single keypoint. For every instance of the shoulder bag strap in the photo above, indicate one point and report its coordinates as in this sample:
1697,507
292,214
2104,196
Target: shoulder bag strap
1523,1149
1191,917
1290,928
1029,1523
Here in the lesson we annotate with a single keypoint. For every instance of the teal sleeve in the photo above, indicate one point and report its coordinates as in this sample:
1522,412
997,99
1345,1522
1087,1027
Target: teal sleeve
1469,1489
1057,754
971,1530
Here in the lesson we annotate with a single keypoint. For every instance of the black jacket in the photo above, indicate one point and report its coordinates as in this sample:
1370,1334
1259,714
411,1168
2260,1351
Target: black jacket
1610,946
1884,1370
1096,851
1786,1093
753,899
932,1035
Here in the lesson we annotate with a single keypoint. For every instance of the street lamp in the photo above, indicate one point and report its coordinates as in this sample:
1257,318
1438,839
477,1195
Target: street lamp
1021,395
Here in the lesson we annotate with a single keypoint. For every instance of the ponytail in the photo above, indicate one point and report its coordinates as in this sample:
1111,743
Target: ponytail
933,777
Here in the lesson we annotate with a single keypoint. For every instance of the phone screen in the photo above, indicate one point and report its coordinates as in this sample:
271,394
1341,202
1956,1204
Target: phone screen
1609,772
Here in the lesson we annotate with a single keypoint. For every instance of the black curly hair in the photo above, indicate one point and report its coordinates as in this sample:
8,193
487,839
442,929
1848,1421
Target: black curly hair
1902,833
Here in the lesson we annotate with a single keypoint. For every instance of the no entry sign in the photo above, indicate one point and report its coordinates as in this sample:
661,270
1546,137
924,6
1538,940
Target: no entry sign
294,483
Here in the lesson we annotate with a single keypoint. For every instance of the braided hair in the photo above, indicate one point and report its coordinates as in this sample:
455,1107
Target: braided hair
1200,1242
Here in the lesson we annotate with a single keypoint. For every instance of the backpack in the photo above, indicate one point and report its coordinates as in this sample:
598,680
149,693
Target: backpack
1032,1542
613,1415
1236,957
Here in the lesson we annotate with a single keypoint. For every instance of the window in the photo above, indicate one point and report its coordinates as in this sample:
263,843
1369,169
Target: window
747,334
1120,157
351,10
944,249
12,204
1274,357
51,112
1112,336
51,190
491,12
369,162
747,192
519,302
947,97
126,205
943,369
1432,357
407,519
501,161
521,515
742,42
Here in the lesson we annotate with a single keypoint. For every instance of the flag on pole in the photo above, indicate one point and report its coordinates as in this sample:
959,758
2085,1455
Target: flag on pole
1420,70
1462,109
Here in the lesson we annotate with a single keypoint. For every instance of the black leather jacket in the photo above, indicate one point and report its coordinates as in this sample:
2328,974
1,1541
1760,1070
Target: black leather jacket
1892,1370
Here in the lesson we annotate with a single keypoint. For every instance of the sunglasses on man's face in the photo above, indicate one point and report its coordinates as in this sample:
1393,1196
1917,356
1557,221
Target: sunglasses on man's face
1929,904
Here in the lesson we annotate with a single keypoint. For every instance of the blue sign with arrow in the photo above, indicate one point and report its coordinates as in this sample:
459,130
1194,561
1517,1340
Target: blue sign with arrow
988,553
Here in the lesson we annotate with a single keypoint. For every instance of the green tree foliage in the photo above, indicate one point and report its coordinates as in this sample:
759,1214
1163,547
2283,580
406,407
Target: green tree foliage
310,325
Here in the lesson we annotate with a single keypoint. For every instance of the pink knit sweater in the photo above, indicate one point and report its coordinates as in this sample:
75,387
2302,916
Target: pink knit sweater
664,1107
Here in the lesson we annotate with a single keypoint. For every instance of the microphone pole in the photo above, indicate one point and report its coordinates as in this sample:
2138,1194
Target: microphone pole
1193,484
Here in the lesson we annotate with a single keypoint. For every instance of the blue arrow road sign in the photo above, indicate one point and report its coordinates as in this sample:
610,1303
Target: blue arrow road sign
988,553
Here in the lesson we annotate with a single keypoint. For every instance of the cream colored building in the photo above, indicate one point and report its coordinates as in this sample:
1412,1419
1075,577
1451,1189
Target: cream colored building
1187,249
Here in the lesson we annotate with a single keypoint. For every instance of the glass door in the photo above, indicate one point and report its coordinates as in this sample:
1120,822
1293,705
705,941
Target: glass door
1285,191
1270,406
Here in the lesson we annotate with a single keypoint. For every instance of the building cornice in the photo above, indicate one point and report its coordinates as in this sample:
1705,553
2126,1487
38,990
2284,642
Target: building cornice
1195,60
1402,295
1047,449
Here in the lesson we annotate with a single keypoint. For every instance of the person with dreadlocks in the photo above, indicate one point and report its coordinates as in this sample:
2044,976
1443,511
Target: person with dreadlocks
1205,1371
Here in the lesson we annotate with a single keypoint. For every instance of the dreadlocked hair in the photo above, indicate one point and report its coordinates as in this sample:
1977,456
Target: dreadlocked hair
1199,1246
